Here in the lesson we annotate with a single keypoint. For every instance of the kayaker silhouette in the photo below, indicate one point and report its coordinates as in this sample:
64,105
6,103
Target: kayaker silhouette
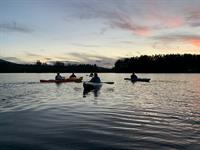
58,77
95,79
72,76
91,74
133,76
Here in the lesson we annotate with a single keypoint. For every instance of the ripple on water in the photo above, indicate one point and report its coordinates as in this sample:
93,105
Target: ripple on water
162,114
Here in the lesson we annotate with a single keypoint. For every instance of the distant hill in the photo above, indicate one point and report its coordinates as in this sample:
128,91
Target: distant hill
9,67
5,62
171,63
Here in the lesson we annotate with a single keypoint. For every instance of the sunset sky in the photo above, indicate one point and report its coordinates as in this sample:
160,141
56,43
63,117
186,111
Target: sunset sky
97,31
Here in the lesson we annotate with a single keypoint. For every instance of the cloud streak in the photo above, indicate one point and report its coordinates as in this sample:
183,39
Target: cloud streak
139,18
125,22
111,14
85,45
185,38
14,27
193,17
29,54
72,58
93,59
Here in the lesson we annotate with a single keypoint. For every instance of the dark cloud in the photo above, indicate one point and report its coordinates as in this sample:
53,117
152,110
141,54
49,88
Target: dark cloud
14,27
193,18
65,62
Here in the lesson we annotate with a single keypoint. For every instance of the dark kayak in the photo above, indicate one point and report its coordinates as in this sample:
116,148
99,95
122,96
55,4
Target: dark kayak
138,79
91,85
63,81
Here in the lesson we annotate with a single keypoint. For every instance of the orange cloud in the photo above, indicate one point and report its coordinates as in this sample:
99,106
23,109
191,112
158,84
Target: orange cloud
185,38
195,42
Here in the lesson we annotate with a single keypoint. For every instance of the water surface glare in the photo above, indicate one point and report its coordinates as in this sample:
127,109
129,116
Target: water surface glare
162,114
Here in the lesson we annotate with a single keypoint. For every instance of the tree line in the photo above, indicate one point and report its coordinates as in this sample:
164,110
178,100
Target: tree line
171,63
38,67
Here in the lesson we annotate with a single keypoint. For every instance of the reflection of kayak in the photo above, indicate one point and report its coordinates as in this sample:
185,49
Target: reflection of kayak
63,81
138,79
91,85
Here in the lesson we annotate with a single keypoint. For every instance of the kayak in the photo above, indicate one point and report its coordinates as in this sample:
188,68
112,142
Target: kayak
91,85
138,79
63,81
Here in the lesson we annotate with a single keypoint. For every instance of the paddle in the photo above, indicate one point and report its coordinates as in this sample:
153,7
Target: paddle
108,82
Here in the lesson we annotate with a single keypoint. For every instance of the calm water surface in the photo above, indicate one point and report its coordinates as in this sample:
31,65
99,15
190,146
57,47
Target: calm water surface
162,114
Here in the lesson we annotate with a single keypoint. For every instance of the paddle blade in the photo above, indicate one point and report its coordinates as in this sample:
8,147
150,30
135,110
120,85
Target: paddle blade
108,82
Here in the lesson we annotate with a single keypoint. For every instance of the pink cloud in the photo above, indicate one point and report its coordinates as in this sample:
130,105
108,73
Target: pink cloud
194,42
143,31
185,38
163,19
174,22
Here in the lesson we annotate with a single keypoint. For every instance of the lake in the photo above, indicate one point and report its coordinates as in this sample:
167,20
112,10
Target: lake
162,114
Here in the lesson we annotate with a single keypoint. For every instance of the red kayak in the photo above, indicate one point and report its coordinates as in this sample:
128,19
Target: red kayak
63,81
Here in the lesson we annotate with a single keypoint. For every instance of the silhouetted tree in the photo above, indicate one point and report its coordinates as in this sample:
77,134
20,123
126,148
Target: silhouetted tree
159,63
38,62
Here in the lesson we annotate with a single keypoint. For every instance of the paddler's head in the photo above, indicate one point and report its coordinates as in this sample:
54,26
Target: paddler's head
95,74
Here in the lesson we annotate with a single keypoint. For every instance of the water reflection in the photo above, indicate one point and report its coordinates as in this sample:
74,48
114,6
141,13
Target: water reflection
96,92
161,115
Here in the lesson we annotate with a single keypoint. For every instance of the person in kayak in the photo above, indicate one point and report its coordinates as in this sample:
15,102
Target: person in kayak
58,77
91,74
133,76
95,79
72,76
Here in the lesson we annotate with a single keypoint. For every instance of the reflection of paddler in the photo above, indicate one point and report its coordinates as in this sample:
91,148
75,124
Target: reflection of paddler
86,91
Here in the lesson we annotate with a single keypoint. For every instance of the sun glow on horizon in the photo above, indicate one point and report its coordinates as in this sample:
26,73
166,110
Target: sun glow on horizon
97,31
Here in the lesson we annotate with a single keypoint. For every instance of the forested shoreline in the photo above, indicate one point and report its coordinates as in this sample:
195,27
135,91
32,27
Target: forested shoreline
171,63
38,67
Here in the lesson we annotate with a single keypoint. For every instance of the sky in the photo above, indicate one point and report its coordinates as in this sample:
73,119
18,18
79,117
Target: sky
97,31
